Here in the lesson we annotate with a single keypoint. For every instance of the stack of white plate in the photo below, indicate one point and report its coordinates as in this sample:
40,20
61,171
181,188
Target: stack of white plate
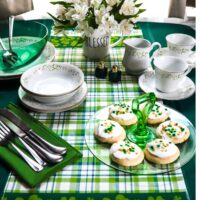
52,87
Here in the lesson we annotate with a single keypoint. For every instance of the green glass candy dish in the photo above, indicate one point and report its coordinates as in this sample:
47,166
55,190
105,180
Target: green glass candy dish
29,39
139,133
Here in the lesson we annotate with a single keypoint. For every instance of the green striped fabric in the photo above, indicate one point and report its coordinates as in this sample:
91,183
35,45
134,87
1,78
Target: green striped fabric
89,175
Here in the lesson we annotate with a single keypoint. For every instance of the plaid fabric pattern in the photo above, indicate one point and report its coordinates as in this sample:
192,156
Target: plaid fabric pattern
72,38
89,175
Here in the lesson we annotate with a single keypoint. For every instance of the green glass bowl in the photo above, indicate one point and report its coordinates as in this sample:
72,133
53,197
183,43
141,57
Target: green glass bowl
29,39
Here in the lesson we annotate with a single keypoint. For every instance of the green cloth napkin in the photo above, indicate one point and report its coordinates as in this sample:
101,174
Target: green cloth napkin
19,166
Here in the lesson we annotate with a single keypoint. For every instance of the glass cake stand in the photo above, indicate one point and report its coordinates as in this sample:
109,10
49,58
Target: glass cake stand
102,151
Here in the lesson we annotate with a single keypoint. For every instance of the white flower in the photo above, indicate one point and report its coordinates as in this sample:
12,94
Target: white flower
112,2
96,3
80,12
125,27
68,15
100,31
128,8
99,14
84,29
60,12
109,23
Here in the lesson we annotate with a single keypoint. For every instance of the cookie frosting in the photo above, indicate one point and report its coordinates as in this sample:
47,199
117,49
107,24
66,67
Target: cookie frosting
109,129
121,111
125,150
158,111
162,148
170,129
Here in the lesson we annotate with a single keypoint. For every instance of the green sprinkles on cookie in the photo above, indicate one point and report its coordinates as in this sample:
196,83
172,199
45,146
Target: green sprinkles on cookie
182,129
152,148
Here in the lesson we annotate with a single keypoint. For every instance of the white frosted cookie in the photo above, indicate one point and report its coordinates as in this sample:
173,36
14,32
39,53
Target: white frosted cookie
126,153
122,114
158,114
174,131
161,151
109,131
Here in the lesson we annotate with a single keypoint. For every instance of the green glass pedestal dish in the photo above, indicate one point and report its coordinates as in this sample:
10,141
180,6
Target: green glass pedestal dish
139,133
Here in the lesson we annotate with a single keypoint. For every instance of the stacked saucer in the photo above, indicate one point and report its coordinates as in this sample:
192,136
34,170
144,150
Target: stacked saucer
52,87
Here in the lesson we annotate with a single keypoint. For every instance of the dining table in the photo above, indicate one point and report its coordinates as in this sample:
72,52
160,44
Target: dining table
89,178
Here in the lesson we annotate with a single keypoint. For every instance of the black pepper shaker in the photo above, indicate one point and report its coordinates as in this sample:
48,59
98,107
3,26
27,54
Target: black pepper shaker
101,70
115,74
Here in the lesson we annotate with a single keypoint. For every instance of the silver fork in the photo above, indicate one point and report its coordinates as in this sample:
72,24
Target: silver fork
6,138
9,56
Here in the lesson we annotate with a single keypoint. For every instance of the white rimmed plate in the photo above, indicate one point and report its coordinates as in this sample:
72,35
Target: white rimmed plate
147,84
34,105
46,56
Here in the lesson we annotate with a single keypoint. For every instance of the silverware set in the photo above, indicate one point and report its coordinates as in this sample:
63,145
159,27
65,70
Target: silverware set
41,152
9,56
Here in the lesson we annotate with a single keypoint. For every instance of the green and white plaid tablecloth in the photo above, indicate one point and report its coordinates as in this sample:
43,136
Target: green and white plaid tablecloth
89,178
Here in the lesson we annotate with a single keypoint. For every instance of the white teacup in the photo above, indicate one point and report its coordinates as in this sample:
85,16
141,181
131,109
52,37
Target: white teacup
136,58
170,72
180,44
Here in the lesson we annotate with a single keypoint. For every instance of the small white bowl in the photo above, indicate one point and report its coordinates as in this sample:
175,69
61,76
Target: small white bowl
52,80
53,100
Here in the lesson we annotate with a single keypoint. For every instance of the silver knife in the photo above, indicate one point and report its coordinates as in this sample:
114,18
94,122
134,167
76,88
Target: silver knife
45,144
49,157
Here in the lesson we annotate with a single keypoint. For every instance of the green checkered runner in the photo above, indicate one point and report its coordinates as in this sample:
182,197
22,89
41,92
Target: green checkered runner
89,176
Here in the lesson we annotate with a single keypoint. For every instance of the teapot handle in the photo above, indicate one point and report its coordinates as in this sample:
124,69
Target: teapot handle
117,42
152,46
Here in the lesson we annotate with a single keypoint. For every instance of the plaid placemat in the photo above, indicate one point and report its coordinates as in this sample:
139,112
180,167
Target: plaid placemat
72,37
89,178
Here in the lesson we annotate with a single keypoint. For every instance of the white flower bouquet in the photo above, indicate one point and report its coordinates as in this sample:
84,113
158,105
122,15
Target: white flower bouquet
103,16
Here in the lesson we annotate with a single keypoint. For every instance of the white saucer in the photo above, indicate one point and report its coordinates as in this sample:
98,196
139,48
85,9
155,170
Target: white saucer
46,56
37,106
165,52
147,84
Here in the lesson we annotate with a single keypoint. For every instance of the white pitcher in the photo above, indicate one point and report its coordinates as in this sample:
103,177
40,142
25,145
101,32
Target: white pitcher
136,58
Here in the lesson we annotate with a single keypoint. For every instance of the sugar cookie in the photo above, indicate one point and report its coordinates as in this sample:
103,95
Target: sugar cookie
174,131
122,114
126,153
109,131
158,114
161,151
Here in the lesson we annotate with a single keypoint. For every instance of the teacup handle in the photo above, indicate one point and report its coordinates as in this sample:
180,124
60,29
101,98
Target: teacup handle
189,61
117,42
152,46
190,67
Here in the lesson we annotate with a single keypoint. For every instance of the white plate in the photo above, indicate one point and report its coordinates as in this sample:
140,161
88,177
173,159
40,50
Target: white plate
191,59
147,84
47,55
34,105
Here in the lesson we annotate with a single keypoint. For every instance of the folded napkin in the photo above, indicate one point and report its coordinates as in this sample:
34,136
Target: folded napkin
19,166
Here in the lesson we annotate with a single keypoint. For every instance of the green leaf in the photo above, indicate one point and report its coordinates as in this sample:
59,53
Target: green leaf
138,5
62,3
55,18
